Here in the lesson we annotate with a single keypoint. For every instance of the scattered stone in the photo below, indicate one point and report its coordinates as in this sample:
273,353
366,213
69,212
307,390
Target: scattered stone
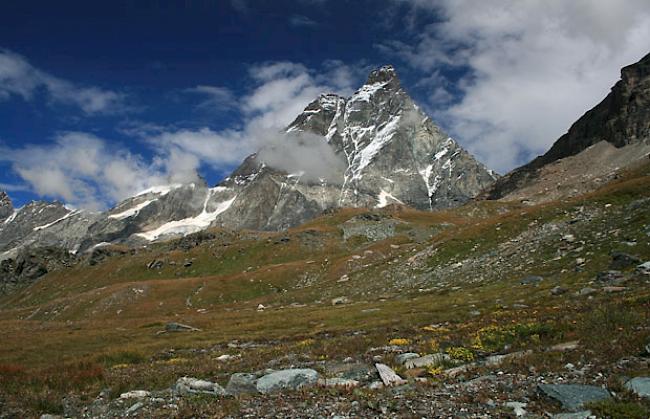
518,408
48,416
531,280
340,300
622,260
188,385
559,290
135,394
376,385
226,357
585,414
155,264
338,382
610,277
388,376
644,268
567,346
402,358
178,327
187,263
453,372
574,396
137,406
260,307
431,360
586,291
291,379
343,278
241,383
580,261
614,289
495,360
639,386
569,238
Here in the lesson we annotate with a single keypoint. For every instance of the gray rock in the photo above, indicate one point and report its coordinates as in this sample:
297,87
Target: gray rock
135,394
574,396
639,386
388,376
242,383
609,277
430,360
291,379
586,291
644,268
402,358
340,300
137,406
338,382
531,280
179,327
621,260
188,385
585,414
559,290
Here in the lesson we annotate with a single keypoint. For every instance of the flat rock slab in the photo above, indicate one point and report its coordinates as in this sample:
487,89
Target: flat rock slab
388,376
338,382
402,358
291,379
585,414
242,383
188,385
135,394
574,396
639,386
178,327
431,360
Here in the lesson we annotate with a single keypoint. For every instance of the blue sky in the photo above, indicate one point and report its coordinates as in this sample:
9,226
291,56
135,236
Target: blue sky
101,99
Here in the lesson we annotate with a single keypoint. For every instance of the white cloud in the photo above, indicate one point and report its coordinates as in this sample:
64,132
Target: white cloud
534,66
82,170
87,171
216,98
19,78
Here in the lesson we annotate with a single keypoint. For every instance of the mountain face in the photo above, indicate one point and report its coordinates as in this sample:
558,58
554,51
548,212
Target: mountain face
389,151
6,207
621,119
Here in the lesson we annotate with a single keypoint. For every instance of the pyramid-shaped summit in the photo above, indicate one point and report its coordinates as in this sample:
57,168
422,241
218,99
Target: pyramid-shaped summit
392,153
377,147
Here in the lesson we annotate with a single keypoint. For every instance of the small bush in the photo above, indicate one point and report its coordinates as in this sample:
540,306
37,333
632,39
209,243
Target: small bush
619,409
399,342
460,354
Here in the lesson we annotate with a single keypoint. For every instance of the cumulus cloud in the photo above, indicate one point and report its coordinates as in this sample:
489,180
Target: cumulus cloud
532,68
87,171
305,154
82,169
19,78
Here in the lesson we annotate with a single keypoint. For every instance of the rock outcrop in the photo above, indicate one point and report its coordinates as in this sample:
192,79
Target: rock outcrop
621,119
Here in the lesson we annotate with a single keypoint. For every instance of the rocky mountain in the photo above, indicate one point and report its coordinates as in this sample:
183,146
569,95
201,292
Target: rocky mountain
382,148
622,120
6,206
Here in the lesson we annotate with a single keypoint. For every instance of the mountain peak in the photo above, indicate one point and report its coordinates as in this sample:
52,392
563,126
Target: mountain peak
384,74
6,206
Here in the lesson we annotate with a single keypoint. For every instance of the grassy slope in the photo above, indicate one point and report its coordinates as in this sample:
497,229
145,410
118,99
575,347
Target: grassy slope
99,316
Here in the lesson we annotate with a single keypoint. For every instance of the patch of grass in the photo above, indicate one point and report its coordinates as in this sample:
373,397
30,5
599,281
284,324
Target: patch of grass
121,358
619,410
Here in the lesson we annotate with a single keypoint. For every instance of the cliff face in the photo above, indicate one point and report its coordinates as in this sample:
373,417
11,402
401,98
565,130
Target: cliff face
622,118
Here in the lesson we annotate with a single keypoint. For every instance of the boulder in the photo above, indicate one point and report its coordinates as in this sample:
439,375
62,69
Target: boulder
135,394
188,385
431,360
388,376
585,414
290,379
242,383
644,268
621,260
338,382
573,397
402,358
178,327
639,386
531,280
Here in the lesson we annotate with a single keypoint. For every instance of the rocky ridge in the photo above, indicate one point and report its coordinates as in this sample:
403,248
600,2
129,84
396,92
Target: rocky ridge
621,119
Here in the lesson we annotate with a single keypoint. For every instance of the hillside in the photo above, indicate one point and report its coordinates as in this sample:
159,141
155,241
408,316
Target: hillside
340,293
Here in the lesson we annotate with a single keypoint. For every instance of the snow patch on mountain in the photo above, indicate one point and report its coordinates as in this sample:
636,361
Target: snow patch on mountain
68,215
131,212
192,224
